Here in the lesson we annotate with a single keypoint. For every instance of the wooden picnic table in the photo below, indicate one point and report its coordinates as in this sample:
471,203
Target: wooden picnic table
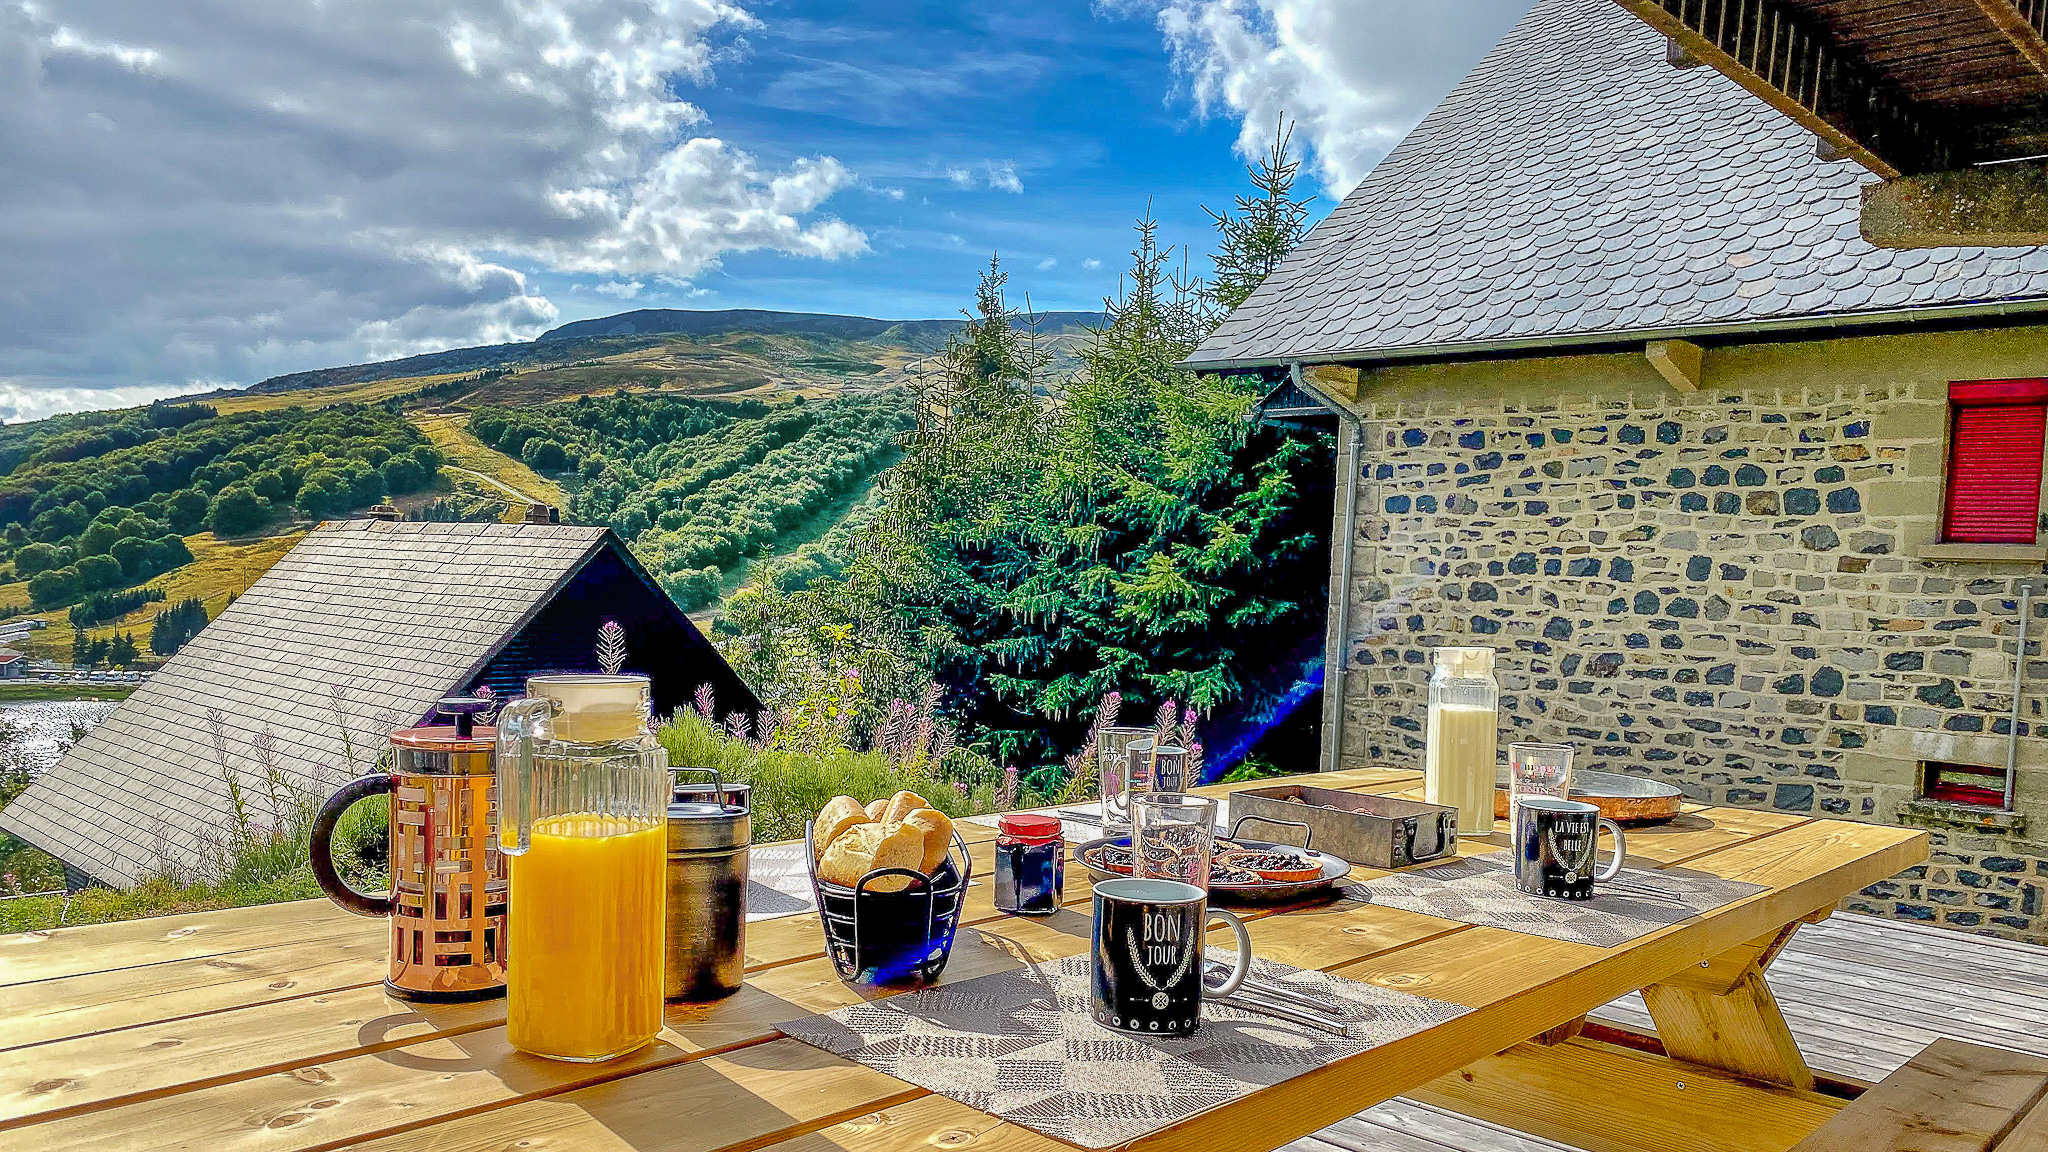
268,1028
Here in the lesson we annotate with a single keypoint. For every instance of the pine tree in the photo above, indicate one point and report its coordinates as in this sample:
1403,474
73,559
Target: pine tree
1263,228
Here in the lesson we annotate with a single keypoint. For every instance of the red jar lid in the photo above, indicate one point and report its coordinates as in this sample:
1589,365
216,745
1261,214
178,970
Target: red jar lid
1025,826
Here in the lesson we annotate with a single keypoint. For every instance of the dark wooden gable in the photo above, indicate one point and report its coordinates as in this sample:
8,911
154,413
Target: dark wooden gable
661,641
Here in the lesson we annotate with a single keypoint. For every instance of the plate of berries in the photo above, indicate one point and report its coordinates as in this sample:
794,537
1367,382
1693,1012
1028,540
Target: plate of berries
1239,869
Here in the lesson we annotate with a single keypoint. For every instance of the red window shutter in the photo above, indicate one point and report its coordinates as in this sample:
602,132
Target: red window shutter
1994,471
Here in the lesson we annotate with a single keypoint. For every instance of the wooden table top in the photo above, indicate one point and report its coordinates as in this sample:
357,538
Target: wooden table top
268,1028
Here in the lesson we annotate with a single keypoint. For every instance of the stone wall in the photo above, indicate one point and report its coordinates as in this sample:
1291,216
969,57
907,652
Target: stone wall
1737,590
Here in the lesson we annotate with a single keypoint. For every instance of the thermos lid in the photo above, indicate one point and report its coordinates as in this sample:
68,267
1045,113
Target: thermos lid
1465,661
703,824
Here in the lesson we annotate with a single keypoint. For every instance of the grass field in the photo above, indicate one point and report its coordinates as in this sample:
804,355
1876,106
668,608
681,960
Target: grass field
368,393
450,433
218,567
24,691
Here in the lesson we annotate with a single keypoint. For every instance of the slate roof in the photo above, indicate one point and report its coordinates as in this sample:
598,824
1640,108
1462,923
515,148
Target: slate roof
1576,188
360,628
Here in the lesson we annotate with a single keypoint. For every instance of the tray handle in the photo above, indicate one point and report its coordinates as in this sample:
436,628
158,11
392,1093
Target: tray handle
1308,834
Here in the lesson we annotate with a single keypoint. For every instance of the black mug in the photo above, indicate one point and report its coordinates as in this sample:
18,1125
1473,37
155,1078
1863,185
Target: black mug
1556,849
1147,975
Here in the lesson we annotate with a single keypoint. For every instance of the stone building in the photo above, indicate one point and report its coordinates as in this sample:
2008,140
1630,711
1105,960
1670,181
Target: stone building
1627,397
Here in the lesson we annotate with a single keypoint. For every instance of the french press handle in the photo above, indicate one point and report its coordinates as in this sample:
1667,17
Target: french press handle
322,847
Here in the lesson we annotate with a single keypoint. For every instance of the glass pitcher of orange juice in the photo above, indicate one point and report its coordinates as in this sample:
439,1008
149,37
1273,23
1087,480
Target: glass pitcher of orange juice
582,792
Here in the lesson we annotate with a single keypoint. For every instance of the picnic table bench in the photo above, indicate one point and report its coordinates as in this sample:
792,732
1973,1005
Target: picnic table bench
1952,1097
267,1028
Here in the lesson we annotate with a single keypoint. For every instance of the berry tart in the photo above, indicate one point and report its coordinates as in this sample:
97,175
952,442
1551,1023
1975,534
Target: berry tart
1278,865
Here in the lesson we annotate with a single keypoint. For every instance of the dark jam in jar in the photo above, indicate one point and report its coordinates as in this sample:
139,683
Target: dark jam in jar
1030,864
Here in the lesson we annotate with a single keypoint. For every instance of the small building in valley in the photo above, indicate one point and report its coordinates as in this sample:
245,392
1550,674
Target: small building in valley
1744,502
355,632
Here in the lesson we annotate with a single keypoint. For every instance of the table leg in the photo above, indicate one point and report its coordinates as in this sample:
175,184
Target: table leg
1722,1014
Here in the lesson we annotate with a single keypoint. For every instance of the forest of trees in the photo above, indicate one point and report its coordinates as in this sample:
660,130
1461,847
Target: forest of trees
102,501
697,486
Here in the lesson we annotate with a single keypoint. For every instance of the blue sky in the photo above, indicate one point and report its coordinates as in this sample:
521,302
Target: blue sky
931,102
207,193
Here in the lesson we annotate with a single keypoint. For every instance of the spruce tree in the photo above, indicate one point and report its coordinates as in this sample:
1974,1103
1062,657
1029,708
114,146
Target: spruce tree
1264,227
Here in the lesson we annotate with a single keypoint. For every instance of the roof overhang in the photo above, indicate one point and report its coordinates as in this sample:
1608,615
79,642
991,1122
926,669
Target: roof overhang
1632,339
1917,91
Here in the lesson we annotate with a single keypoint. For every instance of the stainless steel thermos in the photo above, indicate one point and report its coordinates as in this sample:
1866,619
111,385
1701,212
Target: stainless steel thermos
707,884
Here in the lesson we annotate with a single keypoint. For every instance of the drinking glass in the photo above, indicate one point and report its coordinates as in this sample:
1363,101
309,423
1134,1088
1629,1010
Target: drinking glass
1538,770
1113,764
1173,836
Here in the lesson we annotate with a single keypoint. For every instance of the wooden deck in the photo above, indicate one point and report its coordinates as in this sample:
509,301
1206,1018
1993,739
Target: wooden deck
1861,994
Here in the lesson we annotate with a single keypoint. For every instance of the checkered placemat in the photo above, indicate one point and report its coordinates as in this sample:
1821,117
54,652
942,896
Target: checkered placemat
778,882
1022,1046
1481,890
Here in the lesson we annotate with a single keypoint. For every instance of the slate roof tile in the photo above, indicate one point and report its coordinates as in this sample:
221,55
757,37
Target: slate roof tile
393,615
1575,186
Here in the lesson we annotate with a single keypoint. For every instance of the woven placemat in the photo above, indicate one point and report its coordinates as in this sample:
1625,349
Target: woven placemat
1481,890
1022,1046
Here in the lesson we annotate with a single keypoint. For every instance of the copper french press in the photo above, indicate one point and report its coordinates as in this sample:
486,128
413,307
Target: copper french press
447,897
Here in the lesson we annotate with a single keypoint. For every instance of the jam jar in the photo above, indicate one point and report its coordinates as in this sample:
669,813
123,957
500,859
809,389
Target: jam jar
1030,864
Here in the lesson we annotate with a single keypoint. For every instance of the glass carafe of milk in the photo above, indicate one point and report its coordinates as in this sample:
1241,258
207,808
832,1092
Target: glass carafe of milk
1464,724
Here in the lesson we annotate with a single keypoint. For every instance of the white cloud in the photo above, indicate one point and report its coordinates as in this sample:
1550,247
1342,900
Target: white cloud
1356,74
624,291
999,175
1091,264
287,184
1048,264
20,402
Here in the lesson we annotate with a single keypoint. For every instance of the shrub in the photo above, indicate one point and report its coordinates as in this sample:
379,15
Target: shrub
186,510
99,572
50,589
35,559
236,511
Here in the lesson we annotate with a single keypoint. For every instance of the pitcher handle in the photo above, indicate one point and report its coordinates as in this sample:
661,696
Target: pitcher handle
516,725
322,847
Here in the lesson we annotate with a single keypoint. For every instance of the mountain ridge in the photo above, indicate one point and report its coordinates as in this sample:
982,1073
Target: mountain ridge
642,328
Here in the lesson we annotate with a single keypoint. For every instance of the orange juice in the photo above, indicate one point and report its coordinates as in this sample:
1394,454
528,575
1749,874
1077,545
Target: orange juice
584,973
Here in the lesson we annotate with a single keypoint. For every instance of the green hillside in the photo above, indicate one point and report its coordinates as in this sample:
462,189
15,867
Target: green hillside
711,447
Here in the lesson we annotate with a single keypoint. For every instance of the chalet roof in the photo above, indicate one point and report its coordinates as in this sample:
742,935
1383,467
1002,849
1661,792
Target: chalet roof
357,630
1576,188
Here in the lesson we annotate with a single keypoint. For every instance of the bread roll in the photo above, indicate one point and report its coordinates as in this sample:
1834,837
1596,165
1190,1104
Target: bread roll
869,846
937,830
839,814
877,807
852,855
903,804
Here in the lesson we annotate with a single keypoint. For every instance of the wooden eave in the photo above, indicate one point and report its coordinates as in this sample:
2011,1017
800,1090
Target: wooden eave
1901,86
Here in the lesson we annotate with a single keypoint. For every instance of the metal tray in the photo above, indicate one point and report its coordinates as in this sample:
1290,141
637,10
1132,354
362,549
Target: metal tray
1622,799
1376,831
1265,892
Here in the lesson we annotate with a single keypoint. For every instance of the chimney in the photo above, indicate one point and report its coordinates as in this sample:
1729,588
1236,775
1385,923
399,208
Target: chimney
542,514
383,512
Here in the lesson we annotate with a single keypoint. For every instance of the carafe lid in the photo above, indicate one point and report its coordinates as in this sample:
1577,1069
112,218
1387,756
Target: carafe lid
465,735
1465,661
